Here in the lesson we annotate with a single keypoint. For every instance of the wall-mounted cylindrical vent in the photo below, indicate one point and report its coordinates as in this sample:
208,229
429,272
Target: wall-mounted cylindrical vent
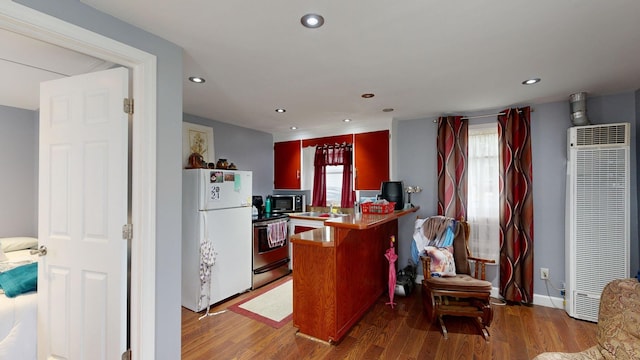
578,102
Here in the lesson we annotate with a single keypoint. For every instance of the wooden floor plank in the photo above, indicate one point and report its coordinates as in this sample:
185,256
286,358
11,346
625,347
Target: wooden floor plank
517,332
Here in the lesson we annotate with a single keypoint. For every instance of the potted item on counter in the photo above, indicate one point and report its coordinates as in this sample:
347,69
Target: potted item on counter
196,161
222,164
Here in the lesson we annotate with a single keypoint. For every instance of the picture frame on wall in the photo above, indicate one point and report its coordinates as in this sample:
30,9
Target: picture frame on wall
197,138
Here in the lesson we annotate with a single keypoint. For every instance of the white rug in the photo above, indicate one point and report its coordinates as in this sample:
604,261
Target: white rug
274,307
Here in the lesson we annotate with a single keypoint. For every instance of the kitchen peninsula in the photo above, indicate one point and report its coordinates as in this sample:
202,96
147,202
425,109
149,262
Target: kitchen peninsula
339,271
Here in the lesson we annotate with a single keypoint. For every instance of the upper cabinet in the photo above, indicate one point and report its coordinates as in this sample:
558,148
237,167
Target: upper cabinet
371,160
371,152
287,165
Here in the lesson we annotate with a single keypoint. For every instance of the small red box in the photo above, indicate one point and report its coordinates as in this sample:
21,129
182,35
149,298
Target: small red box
372,208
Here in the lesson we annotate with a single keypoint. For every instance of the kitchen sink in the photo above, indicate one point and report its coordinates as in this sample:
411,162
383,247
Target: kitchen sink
321,214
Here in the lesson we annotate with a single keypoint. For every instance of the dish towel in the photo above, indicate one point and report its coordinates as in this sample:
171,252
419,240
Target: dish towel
277,233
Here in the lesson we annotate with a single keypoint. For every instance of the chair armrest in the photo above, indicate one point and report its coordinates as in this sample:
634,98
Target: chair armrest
482,265
487,261
426,266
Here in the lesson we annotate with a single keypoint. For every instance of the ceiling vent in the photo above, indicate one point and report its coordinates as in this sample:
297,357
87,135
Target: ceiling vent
578,102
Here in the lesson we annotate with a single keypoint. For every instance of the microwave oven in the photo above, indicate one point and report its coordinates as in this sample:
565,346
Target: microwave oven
287,203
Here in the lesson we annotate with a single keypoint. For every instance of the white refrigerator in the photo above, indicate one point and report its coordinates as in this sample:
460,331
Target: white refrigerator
216,212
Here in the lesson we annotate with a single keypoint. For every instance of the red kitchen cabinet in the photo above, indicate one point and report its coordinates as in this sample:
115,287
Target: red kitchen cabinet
287,165
371,159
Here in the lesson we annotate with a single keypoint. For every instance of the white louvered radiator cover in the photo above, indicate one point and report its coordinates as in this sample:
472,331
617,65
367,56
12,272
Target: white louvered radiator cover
597,214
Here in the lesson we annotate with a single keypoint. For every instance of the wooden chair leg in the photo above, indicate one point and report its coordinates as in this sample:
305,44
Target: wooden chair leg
429,303
483,328
487,315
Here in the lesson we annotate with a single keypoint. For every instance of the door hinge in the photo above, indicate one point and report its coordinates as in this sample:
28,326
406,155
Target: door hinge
126,355
127,231
128,106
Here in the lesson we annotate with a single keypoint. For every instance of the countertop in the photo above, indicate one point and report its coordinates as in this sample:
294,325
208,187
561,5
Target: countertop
325,236
356,221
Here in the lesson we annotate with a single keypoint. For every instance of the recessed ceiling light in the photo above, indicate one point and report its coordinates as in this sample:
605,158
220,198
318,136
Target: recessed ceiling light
347,120
367,96
312,21
196,79
293,128
387,109
280,110
531,81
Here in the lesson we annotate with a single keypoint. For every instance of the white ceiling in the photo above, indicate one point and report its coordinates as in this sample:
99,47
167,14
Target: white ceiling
423,58
25,62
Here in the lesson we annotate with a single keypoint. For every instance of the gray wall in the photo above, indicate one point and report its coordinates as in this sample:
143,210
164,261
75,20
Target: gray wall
19,169
416,165
169,153
248,149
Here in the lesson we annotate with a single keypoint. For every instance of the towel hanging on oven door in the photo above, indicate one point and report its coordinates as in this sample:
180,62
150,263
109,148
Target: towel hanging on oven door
277,233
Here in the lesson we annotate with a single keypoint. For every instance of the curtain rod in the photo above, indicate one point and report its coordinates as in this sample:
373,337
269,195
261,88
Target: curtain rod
344,144
481,116
478,116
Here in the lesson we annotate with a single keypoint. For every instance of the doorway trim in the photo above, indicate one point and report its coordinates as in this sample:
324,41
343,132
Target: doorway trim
26,21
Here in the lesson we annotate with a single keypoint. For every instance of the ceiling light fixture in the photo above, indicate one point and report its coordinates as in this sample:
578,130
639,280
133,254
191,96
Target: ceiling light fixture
387,109
293,128
367,96
312,21
347,120
280,110
196,79
531,81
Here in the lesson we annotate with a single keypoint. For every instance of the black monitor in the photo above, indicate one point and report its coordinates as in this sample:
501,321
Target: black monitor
393,191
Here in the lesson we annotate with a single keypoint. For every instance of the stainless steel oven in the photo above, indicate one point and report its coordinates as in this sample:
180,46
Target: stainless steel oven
270,257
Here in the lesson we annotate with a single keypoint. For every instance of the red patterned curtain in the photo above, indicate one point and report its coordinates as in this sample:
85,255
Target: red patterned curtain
338,154
453,136
516,205
319,178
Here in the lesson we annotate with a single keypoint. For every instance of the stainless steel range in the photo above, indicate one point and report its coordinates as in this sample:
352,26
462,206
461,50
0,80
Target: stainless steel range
270,248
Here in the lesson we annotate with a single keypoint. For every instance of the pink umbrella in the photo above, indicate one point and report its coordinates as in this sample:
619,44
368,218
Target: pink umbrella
390,254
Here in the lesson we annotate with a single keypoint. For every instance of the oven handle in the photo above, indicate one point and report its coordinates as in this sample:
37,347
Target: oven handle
263,224
272,266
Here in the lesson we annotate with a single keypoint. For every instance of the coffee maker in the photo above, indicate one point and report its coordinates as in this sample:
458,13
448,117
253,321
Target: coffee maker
258,202
393,191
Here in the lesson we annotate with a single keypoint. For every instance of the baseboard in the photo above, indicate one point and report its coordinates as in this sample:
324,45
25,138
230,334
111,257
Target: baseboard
541,300
548,301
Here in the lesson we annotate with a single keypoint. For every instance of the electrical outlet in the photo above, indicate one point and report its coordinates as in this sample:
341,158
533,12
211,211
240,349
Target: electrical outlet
544,273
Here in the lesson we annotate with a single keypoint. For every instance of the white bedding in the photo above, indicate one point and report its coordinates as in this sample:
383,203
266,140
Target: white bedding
18,326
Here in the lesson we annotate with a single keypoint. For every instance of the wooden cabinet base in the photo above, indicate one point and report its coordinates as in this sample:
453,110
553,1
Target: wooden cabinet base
334,286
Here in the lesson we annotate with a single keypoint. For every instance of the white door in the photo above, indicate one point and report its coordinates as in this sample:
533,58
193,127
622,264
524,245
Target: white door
83,184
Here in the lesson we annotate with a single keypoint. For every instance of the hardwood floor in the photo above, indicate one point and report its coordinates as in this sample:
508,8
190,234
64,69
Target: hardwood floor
517,332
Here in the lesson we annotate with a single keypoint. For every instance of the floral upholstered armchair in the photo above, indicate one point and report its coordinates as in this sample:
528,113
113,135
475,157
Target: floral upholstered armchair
618,325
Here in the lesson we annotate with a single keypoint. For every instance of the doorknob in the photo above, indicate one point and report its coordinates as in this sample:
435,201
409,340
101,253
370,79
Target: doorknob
42,251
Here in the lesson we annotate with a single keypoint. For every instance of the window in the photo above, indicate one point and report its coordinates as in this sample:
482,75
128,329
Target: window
334,178
334,185
483,212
